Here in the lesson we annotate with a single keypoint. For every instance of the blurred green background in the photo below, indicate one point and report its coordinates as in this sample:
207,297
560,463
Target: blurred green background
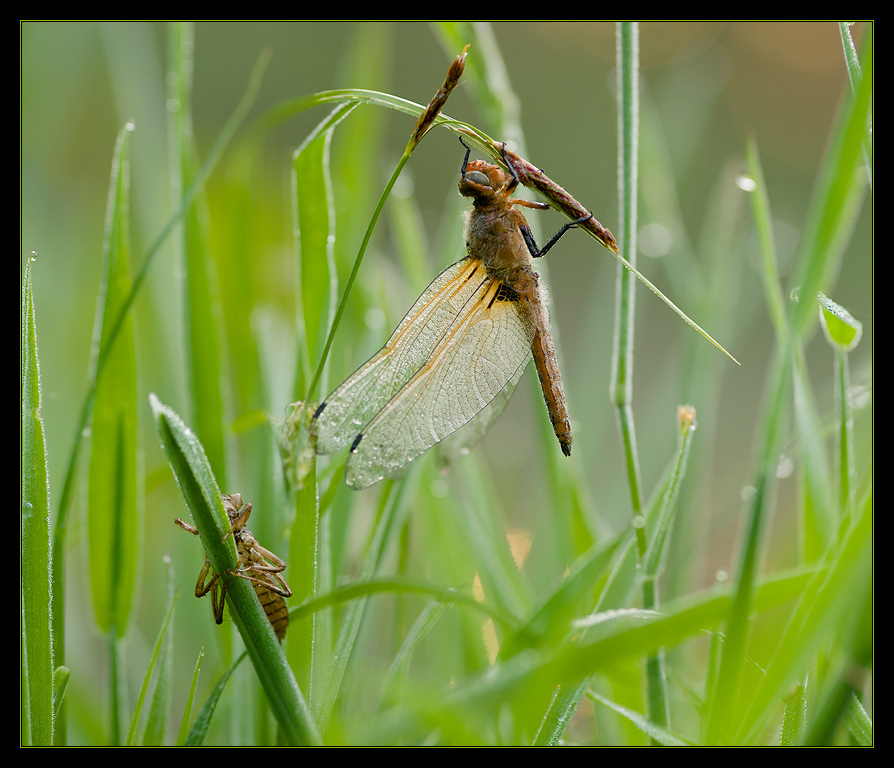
706,87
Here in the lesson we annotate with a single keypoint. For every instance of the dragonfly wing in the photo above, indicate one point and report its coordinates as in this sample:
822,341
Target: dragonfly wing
486,349
354,403
469,435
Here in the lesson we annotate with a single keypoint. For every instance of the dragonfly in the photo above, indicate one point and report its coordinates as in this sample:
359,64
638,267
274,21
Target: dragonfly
458,354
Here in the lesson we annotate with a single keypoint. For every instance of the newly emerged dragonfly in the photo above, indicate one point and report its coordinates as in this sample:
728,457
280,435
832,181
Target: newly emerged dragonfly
461,348
257,565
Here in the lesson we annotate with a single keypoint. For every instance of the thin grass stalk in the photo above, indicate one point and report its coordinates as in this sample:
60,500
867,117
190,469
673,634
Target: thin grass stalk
183,732
843,333
656,676
817,525
157,718
622,351
838,195
622,357
845,433
116,687
307,557
763,223
566,699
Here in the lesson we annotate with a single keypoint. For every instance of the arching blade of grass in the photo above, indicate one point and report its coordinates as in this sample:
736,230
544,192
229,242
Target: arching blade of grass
202,494
623,638
658,734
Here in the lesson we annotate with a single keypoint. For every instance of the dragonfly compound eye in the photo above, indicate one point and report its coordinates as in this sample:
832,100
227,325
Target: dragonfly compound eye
477,177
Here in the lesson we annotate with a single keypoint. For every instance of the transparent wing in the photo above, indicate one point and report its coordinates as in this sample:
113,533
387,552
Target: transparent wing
485,349
343,413
461,442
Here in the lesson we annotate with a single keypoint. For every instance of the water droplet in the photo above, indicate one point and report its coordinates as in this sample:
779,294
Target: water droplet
785,467
745,182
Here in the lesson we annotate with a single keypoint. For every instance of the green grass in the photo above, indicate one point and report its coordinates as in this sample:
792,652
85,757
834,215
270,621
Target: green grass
692,575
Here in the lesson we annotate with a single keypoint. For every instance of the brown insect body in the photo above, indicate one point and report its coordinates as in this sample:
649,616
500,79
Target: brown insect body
499,235
257,565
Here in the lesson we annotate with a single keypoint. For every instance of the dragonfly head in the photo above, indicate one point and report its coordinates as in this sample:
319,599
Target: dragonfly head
483,181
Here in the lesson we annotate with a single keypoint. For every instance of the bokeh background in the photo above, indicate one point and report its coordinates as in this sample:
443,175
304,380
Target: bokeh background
707,87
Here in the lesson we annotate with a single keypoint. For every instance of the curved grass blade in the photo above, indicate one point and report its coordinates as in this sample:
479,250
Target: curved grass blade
200,490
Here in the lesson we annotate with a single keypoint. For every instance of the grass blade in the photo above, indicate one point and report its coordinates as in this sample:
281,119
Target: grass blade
114,510
158,652
201,300
203,721
36,643
183,734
